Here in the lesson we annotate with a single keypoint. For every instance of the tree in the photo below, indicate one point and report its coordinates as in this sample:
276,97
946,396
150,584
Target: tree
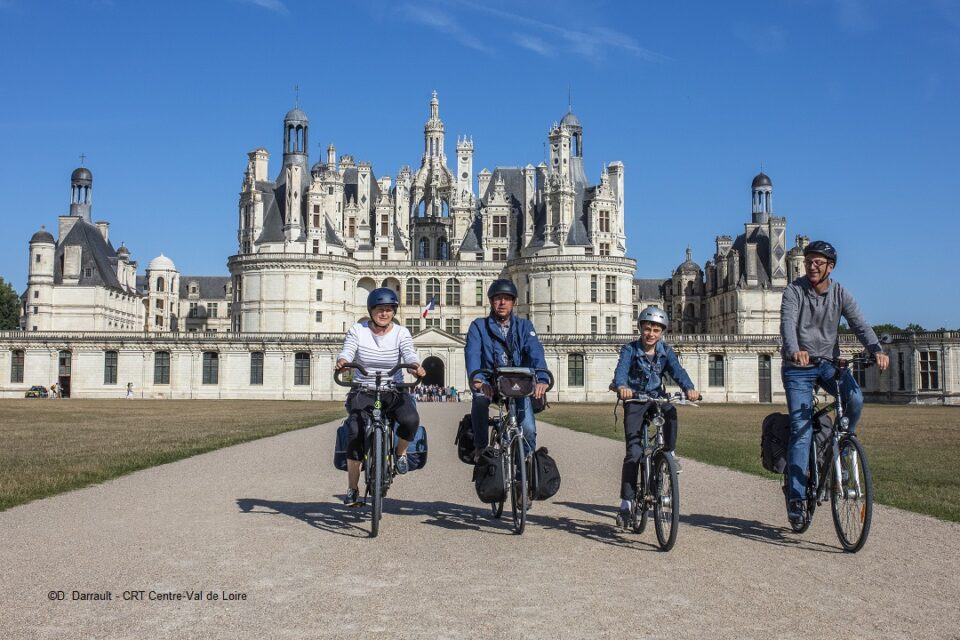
914,328
9,306
886,328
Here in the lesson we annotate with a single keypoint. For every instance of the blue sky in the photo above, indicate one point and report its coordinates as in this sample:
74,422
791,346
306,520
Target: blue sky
849,105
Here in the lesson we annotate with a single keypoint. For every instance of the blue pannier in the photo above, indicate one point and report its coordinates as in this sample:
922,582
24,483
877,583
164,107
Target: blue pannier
416,453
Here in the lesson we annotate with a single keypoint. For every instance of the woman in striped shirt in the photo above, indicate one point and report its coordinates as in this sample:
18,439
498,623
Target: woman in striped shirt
377,345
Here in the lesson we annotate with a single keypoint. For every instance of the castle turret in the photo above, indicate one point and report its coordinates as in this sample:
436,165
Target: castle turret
81,193
762,189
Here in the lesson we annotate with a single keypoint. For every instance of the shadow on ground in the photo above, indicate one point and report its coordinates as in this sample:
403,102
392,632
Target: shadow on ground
753,530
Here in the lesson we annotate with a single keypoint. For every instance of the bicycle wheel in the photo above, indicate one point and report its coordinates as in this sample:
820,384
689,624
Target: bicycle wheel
640,508
376,482
666,500
518,487
851,495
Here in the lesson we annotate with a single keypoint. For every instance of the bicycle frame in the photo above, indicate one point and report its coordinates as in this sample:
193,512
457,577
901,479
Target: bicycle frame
841,424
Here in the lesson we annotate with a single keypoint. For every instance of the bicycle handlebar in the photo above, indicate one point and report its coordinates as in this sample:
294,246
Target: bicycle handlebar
493,372
388,375
841,362
674,398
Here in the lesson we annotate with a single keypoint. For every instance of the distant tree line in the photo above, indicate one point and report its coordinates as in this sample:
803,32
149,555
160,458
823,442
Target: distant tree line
913,327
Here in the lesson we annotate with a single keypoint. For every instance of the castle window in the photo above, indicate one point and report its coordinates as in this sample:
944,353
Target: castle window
605,221
716,370
256,367
193,310
109,367
412,325
604,249
479,293
212,309
575,370
593,324
329,191
211,367
500,255
384,253
319,275
16,366
413,291
36,293
499,226
453,292
610,289
316,209
319,295
161,367
453,326
433,323
423,249
316,247
929,370
352,228
611,324
384,224
318,316
38,259
301,369
159,304
433,290
593,288
443,249
160,284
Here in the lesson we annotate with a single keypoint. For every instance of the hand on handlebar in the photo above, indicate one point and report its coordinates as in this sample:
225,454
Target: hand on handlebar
800,358
484,388
883,361
625,393
693,395
540,390
340,364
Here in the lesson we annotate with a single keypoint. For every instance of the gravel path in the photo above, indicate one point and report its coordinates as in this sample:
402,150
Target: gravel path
263,521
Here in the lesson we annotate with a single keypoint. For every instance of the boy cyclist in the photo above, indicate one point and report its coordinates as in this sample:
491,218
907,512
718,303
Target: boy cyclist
640,372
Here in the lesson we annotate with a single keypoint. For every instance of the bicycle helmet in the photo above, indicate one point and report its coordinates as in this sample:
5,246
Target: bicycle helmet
655,315
825,249
502,286
383,295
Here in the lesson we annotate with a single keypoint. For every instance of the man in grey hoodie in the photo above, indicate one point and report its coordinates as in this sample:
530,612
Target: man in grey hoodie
809,321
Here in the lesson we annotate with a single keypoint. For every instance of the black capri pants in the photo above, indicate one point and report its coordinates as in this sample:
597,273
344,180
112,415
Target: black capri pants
399,406
633,414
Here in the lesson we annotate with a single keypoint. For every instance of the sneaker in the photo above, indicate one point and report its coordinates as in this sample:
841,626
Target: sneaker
796,513
352,499
402,465
623,518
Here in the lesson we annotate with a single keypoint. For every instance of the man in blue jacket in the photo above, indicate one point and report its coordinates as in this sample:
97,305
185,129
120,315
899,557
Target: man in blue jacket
502,340
639,371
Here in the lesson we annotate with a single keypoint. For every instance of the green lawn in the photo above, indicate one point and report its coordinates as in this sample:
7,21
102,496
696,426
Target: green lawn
913,450
48,447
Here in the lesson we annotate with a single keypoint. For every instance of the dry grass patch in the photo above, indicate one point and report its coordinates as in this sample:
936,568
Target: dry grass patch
913,450
48,447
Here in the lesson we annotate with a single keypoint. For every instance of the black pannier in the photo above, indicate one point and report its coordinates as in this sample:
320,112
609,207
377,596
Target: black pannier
545,476
774,440
464,439
489,476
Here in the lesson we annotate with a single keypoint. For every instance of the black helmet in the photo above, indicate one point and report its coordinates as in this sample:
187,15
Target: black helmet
502,286
383,295
823,248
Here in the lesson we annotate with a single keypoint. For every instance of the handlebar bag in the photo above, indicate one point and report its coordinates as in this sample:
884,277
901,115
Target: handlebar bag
516,383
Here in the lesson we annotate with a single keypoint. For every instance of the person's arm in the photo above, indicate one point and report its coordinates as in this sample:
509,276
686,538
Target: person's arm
620,373
855,320
789,317
534,351
351,342
408,352
677,372
472,351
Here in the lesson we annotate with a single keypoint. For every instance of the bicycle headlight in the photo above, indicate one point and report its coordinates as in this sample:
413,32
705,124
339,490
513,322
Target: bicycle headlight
658,421
844,423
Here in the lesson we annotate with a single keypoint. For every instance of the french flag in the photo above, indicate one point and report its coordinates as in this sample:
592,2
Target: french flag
430,307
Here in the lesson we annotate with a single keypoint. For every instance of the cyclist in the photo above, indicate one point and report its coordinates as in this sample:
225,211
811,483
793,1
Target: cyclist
810,315
378,344
502,340
640,370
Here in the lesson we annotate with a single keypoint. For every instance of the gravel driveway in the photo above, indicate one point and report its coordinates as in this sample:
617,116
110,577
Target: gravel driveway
258,533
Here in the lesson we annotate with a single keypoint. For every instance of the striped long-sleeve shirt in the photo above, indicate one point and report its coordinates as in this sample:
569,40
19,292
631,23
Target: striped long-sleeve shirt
377,353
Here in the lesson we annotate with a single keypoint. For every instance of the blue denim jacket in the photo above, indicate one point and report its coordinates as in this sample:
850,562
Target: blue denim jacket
484,352
638,373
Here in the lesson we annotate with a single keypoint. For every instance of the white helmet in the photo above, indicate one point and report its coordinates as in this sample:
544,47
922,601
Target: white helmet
654,314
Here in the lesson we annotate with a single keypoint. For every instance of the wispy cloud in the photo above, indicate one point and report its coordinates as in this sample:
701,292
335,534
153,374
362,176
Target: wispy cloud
856,15
541,37
533,43
441,20
276,6
764,39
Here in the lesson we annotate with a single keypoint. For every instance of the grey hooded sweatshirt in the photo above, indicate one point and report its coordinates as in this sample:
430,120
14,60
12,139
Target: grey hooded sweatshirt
809,321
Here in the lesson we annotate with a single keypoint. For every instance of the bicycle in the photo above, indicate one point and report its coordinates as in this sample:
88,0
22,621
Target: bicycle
658,486
842,461
378,458
511,385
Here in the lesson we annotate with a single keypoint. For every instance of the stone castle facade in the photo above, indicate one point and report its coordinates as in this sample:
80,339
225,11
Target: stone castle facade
313,240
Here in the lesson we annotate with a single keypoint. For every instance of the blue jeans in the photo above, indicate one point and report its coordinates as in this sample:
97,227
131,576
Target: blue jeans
798,384
480,413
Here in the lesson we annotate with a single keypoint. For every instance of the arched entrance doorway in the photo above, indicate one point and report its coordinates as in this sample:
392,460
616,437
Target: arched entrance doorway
435,371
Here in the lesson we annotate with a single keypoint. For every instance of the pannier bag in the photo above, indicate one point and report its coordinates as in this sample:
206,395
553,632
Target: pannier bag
545,476
822,428
464,439
774,440
417,451
515,382
489,476
340,448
